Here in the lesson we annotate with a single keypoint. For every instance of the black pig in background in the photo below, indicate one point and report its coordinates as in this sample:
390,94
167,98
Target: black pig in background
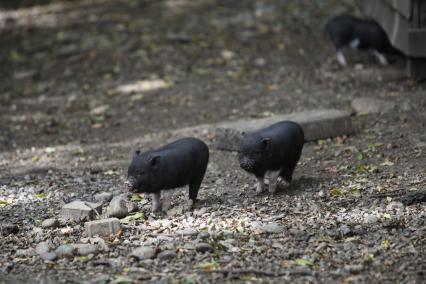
362,34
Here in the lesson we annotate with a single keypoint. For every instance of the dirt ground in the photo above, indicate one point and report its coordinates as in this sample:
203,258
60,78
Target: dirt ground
85,83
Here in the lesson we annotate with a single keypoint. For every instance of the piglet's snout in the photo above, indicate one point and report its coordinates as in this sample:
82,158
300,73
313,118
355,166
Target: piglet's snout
130,183
246,163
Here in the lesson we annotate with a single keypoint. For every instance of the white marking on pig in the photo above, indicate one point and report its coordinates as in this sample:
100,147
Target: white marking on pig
260,185
341,58
273,180
382,59
354,43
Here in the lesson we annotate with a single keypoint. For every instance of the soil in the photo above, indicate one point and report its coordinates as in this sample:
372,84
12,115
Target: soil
85,83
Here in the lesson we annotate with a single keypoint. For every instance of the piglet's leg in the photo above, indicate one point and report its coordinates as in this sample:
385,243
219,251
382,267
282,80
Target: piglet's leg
156,203
273,180
167,199
341,58
260,185
382,59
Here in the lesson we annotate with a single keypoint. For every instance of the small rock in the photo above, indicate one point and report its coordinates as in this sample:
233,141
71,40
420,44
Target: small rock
414,197
167,255
227,54
203,247
8,229
394,205
371,218
177,210
272,228
25,75
100,243
103,197
132,207
345,230
69,50
260,61
203,235
142,253
118,207
65,251
99,110
104,227
356,268
42,247
85,249
79,210
200,212
25,252
371,105
186,232
101,279
49,256
50,223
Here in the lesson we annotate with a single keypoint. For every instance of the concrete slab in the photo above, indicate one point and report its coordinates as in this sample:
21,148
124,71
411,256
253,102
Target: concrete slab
372,105
78,210
104,227
317,124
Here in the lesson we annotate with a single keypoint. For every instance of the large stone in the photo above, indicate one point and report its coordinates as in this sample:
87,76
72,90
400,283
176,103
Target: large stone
371,105
186,232
8,229
318,124
48,256
120,207
142,253
25,252
271,228
203,247
104,227
42,247
167,255
50,223
414,197
65,251
80,210
85,249
103,197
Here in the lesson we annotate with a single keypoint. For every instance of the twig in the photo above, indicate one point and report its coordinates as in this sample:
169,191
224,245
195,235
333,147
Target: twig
261,272
387,194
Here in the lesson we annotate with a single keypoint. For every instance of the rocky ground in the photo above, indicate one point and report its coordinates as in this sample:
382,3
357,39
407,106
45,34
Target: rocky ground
85,83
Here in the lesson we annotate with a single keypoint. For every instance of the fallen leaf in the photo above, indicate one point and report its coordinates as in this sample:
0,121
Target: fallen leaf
386,244
335,192
137,197
41,195
134,217
303,262
208,266
387,163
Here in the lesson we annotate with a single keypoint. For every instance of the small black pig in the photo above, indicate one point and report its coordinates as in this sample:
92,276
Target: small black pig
362,34
174,165
275,149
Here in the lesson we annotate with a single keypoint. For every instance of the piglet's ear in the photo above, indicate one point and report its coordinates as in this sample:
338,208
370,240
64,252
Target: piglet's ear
155,161
265,142
136,153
